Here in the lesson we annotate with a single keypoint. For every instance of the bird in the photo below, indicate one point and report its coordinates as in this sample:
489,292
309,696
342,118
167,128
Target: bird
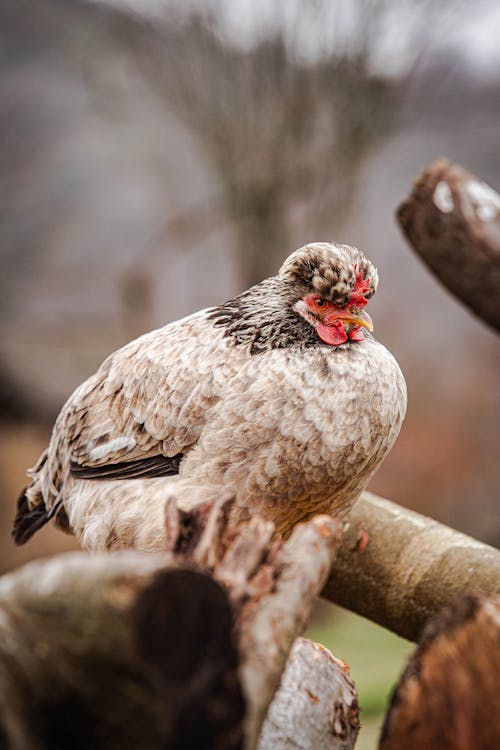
280,396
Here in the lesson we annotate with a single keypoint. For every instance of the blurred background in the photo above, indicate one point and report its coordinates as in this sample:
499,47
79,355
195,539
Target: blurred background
159,157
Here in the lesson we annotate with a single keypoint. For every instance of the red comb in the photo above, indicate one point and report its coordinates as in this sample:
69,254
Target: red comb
361,287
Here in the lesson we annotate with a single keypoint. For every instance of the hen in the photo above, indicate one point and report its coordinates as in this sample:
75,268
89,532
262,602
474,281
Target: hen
280,396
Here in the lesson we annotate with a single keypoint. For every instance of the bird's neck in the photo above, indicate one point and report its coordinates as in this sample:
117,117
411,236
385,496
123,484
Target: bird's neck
262,318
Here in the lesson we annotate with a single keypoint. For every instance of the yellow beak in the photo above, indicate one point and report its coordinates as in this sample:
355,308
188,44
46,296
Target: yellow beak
360,318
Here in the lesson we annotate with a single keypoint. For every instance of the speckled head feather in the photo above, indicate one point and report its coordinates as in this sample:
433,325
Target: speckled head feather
329,270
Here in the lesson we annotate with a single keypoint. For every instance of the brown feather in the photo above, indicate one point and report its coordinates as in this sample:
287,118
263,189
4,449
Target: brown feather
28,521
155,466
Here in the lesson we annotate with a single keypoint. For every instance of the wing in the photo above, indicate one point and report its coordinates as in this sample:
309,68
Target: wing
148,402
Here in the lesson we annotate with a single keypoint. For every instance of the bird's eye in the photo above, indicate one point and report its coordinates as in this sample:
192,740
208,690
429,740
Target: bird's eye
319,302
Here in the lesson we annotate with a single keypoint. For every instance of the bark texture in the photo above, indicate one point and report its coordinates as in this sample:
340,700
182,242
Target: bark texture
115,651
130,650
399,568
452,220
316,706
448,697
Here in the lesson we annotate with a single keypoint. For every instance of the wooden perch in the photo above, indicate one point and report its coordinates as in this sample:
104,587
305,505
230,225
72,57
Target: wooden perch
452,220
148,651
316,706
399,568
448,697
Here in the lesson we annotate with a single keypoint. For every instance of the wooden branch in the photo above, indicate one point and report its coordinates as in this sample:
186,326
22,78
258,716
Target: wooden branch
271,586
399,568
316,706
139,650
452,220
448,697
269,629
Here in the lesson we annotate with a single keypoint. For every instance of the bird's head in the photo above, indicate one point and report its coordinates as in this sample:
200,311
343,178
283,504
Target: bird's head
333,285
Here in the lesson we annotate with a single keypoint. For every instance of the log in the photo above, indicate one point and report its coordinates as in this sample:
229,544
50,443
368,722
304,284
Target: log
452,220
448,697
399,568
316,706
184,649
115,651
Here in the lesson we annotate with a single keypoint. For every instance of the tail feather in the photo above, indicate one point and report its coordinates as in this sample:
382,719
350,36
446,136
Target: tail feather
28,521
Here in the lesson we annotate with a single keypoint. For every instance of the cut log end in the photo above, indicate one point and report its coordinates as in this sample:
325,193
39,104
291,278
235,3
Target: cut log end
448,697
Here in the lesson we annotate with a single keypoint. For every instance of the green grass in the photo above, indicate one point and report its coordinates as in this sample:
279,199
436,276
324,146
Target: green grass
375,656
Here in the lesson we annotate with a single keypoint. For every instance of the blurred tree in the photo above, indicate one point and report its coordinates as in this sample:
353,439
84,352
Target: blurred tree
288,116
286,100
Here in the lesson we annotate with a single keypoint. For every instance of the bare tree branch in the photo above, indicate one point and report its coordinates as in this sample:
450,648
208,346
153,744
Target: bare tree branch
399,568
452,220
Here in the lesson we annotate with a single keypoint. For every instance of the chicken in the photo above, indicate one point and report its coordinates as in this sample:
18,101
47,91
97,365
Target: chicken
280,396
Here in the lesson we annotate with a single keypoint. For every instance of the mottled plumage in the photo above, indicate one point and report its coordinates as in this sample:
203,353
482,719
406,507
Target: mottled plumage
245,398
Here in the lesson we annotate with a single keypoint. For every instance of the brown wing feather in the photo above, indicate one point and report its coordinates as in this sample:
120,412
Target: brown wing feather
155,466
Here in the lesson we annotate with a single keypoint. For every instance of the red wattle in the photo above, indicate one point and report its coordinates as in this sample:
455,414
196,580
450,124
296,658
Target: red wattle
333,334
356,334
